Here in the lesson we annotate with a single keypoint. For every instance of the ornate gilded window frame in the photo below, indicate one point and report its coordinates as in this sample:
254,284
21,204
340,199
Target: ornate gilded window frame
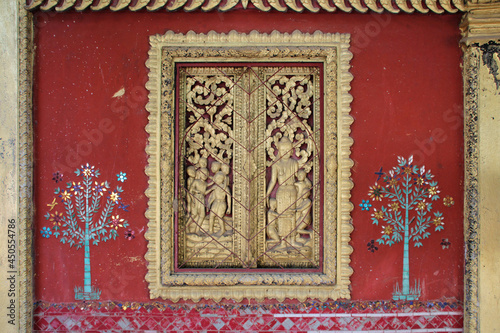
329,49
24,151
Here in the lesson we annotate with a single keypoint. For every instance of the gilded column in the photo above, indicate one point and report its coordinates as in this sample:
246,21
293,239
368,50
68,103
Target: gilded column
481,41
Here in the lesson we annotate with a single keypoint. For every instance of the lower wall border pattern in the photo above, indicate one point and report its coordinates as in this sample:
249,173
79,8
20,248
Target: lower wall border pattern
380,316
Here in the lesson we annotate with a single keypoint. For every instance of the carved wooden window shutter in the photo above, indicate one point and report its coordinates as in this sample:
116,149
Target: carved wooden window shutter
248,166
233,122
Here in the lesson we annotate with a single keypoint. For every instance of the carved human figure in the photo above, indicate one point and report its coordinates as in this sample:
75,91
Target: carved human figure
198,190
203,163
191,172
214,168
283,173
219,203
225,170
272,222
303,206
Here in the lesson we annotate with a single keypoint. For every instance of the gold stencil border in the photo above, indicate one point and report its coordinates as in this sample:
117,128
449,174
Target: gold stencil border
334,282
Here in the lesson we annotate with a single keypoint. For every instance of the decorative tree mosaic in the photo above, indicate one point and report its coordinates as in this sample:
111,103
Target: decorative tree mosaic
403,206
87,216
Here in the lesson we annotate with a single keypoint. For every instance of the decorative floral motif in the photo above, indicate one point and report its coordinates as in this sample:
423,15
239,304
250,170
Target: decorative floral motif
365,205
378,214
76,187
116,222
438,220
375,192
386,230
419,180
57,177
46,232
122,176
56,219
88,170
394,206
445,244
371,246
407,215
100,188
392,182
114,197
85,220
433,190
422,205
65,195
129,234
448,201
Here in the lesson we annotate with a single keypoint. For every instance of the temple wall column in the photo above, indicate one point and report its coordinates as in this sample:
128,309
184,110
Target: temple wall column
481,36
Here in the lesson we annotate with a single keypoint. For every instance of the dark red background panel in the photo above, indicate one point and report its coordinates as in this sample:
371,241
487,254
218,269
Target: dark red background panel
407,101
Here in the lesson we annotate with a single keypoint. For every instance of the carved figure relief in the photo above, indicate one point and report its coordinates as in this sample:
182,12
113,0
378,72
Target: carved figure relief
246,166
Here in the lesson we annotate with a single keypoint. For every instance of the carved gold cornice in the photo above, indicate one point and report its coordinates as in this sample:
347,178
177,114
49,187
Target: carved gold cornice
363,6
481,23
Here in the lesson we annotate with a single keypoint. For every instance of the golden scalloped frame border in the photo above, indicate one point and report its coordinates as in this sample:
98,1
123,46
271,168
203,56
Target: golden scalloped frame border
332,50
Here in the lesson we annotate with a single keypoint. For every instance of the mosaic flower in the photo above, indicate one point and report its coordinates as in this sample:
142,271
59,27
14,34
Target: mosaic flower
371,246
122,176
394,206
129,234
375,192
46,232
56,218
365,205
57,177
407,170
99,188
76,187
419,180
438,220
392,182
65,195
386,230
445,243
422,205
378,214
123,207
114,197
88,170
116,222
433,191
448,201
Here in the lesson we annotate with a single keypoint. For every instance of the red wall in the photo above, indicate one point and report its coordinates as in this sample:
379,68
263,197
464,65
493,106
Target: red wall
407,92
